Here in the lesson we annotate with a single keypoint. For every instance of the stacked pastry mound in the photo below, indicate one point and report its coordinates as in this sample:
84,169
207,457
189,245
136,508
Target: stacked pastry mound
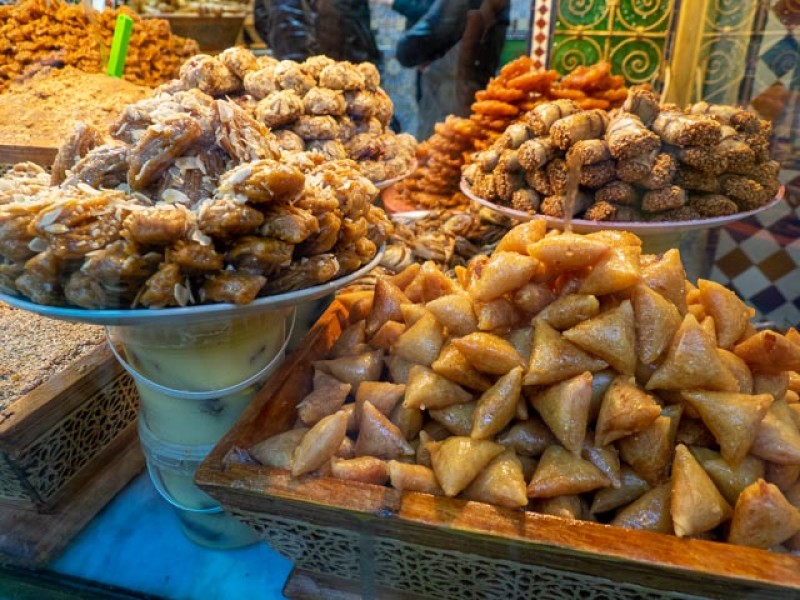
643,162
194,199
566,374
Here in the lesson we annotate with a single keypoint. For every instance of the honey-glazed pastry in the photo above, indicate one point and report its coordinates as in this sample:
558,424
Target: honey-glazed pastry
289,75
372,126
682,213
643,103
316,128
598,174
41,279
330,149
289,141
224,218
692,179
237,288
209,75
242,136
159,291
713,205
323,241
662,173
365,146
361,104
708,159
679,129
15,234
372,77
628,137
383,107
289,223
321,101
617,192
119,269
195,257
104,166
347,127
354,193
263,181
259,255
158,225
160,144
313,65
240,61
260,83
747,193
298,275
83,138
342,76
82,289
664,199
279,108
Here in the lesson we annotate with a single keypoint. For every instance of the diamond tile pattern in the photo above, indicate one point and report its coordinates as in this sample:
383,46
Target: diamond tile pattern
783,56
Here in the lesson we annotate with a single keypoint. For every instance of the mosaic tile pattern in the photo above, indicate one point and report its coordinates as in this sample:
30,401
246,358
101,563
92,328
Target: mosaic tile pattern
541,32
631,34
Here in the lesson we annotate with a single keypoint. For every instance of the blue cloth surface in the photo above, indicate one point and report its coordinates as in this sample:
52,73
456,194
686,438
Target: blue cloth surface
136,543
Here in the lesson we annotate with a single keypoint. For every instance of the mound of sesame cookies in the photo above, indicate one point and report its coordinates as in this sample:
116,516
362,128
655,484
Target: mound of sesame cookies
642,162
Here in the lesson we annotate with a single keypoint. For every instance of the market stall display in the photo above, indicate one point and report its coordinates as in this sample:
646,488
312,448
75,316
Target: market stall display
36,34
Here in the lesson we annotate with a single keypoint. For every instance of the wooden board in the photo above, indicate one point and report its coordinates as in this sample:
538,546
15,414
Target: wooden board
32,539
307,585
439,525
42,153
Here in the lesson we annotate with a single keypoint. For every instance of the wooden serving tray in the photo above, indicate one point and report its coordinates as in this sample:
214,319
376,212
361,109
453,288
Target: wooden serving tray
41,152
378,542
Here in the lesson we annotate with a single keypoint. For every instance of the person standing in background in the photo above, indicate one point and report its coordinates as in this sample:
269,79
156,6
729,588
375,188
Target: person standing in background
456,44
297,29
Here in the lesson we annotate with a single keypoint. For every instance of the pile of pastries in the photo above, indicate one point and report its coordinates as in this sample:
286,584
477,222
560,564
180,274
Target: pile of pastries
44,33
518,88
569,375
642,162
192,199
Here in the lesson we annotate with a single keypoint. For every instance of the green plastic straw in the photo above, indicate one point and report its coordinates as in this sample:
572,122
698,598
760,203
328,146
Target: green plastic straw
119,45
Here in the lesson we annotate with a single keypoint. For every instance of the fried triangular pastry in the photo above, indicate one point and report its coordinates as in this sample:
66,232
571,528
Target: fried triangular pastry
657,319
560,472
455,312
630,488
454,366
611,336
733,418
319,444
618,271
423,456
784,476
488,353
387,335
763,517
555,359
383,395
458,460
730,314
413,478
429,284
408,420
770,352
457,418
707,324
398,368
277,451
354,369
649,512
778,438
352,337
563,507
569,310
505,272
529,437
523,235
425,389
422,342
324,400
666,276
692,363
406,276
501,483
605,458
616,237
626,409
522,340
739,370
776,384
366,469
649,451
497,406
730,480
378,436
568,251
565,409
496,314
385,305
695,502
412,313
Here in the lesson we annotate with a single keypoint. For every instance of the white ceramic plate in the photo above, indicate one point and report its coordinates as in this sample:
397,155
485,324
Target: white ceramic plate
640,228
189,314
